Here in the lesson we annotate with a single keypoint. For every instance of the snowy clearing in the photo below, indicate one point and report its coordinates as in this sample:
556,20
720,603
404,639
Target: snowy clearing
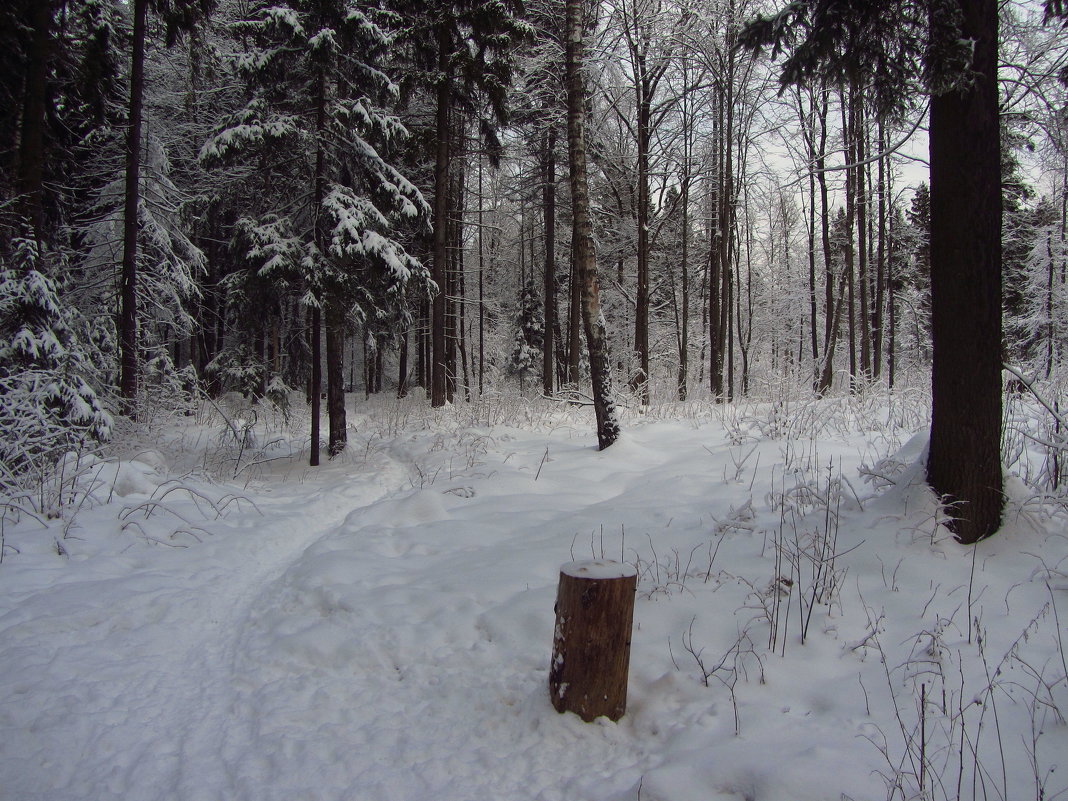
380,628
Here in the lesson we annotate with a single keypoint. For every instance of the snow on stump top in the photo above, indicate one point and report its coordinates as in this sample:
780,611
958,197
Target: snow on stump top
591,642
598,569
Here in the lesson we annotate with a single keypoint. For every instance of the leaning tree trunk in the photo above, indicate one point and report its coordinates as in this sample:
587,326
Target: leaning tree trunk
582,234
964,465
128,294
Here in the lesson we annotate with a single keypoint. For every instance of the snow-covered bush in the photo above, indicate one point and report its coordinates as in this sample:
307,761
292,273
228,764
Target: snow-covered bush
47,406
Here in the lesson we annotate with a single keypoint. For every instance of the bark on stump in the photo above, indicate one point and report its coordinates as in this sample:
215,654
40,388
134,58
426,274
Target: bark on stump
591,643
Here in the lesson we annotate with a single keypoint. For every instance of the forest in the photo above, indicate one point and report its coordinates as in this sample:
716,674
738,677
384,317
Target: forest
359,268
330,198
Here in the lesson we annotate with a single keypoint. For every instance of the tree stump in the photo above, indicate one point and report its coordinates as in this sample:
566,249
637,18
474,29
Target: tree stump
591,643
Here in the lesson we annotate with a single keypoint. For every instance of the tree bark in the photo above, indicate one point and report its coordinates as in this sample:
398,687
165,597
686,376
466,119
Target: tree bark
864,298
402,370
591,643
964,464
574,324
684,323
128,339
335,378
438,366
877,322
31,154
316,386
549,277
582,234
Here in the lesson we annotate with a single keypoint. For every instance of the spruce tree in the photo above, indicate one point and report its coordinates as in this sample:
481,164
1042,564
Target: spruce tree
316,132
48,405
529,340
461,52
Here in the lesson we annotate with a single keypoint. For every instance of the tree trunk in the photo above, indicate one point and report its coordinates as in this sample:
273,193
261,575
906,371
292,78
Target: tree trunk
825,228
128,339
684,323
864,318
835,317
809,126
574,323
582,234
640,381
849,132
461,290
964,465
454,264
877,321
715,283
591,643
316,388
31,155
402,370
891,345
481,286
335,381
438,366
549,277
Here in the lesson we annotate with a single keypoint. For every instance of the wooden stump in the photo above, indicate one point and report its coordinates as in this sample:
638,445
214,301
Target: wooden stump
591,644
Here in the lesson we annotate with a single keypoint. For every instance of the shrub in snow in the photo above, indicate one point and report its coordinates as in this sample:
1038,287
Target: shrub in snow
46,404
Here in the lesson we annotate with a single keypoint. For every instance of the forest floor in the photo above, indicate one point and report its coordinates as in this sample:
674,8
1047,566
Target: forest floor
202,616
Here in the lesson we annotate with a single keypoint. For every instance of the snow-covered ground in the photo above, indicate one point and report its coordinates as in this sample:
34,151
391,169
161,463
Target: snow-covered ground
381,627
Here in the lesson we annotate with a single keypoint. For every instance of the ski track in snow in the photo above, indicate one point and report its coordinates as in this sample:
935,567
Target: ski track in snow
381,630
291,661
166,678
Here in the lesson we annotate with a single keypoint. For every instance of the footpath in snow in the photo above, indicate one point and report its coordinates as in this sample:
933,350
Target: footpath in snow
380,628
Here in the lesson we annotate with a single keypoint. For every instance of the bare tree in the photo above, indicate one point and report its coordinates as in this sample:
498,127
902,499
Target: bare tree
585,257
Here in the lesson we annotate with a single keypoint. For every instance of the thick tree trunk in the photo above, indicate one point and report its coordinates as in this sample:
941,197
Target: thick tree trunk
964,465
591,643
128,339
582,235
574,323
31,154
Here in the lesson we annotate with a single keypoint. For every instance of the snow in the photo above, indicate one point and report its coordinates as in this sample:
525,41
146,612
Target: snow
381,627
595,569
